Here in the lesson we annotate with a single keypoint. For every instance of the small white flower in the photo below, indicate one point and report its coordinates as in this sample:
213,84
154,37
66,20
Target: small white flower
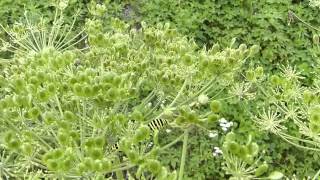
212,135
217,151
224,129
223,120
168,130
228,125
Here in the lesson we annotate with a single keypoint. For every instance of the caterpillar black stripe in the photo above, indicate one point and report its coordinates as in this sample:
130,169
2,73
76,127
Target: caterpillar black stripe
156,124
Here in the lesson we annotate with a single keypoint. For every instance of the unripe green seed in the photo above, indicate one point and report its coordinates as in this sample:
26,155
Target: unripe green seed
187,59
215,48
263,168
99,141
203,99
243,47
51,88
117,80
254,50
69,116
82,168
97,166
253,149
243,152
215,106
137,115
49,117
90,143
141,134
77,88
88,91
63,138
154,166
314,127
259,71
315,39
34,112
106,164
34,80
27,148
66,164
53,164
19,84
9,136
43,96
315,117
96,153
249,159
307,96
250,74
14,144
133,156
108,77
113,93
41,76
233,147
88,163
65,125
275,80
58,153
212,118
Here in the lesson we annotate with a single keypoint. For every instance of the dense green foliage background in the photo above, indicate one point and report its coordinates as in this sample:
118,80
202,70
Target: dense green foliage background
283,40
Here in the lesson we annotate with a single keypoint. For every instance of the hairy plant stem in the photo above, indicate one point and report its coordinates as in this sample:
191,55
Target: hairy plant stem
184,153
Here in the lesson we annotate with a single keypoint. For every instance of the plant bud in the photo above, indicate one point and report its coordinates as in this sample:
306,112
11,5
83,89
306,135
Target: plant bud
259,71
254,50
141,134
242,47
203,99
307,96
315,117
154,166
315,39
261,169
215,48
69,116
133,156
215,106
212,118
233,147
230,136
137,115
250,74
34,112
253,149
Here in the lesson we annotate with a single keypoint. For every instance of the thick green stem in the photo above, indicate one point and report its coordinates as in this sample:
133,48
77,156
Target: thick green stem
184,153
118,171
316,176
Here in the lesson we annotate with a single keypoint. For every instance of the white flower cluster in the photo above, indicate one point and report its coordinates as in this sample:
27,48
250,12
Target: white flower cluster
224,124
217,151
213,134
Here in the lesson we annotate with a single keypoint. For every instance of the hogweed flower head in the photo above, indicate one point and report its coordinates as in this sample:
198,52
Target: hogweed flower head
270,121
35,37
